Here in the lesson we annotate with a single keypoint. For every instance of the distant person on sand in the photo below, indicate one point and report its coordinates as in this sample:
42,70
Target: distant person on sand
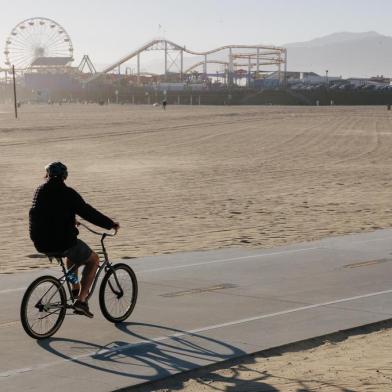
53,229
164,103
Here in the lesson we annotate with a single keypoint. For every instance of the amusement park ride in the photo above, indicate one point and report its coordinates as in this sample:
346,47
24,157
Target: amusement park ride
38,43
253,57
41,45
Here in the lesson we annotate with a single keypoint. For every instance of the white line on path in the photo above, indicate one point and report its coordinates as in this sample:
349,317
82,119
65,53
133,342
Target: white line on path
191,332
229,260
12,290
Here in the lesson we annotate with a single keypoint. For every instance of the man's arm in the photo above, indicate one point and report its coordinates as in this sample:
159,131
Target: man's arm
89,213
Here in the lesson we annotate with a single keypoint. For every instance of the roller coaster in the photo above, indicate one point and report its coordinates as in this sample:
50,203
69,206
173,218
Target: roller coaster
253,59
40,46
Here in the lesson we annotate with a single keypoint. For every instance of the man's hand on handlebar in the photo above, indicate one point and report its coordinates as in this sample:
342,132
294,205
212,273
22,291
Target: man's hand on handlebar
116,227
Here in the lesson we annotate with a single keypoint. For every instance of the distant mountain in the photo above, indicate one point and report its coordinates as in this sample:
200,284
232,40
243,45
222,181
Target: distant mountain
347,54
335,38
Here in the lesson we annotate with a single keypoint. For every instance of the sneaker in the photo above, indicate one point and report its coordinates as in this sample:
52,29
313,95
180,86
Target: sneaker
82,308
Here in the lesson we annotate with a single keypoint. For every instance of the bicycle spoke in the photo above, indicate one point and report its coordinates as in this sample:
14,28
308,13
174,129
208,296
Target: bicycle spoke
43,308
50,314
121,283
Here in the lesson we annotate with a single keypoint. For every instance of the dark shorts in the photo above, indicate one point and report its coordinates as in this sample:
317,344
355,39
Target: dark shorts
79,253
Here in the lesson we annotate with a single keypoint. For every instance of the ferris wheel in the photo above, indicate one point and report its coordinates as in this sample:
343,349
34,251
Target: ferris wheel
34,38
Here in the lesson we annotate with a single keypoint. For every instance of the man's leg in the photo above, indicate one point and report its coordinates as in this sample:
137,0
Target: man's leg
76,286
88,275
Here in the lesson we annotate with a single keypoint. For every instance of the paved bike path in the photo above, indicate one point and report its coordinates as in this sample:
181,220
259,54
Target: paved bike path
200,308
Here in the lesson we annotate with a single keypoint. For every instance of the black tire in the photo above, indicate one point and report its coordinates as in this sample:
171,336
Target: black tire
109,301
49,288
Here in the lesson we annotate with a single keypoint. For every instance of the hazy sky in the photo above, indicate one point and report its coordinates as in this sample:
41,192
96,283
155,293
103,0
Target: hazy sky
109,29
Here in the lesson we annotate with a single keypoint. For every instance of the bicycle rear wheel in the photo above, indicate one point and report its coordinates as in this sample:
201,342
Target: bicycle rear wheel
43,307
118,293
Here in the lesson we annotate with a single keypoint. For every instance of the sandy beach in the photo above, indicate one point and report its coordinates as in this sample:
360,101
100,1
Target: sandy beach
357,361
194,178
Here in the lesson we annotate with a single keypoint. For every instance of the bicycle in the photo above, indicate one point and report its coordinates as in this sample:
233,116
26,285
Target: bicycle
45,302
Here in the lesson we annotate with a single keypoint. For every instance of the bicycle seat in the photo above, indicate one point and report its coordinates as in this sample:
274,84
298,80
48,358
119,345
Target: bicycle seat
54,255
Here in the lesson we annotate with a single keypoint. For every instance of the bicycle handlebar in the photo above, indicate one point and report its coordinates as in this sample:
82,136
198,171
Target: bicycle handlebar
95,232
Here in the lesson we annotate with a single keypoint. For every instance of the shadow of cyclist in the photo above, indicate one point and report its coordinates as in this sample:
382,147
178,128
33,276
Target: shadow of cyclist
158,352
144,358
189,345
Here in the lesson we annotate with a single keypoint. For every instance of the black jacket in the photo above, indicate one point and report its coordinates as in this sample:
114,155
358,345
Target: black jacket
52,216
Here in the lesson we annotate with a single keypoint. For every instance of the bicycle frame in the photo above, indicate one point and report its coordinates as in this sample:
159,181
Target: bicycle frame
63,279
106,265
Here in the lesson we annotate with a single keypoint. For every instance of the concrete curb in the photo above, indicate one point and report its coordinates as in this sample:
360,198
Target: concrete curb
299,345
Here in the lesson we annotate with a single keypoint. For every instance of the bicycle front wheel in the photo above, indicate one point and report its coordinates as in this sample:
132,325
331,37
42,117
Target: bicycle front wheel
118,293
43,307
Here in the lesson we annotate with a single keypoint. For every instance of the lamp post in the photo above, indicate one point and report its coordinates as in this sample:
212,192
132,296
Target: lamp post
326,76
14,83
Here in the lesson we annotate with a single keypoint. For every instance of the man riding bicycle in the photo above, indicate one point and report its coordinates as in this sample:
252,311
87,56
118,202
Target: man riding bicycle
53,229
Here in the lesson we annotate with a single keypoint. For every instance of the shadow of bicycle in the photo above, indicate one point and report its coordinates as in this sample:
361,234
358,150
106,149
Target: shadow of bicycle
150,352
